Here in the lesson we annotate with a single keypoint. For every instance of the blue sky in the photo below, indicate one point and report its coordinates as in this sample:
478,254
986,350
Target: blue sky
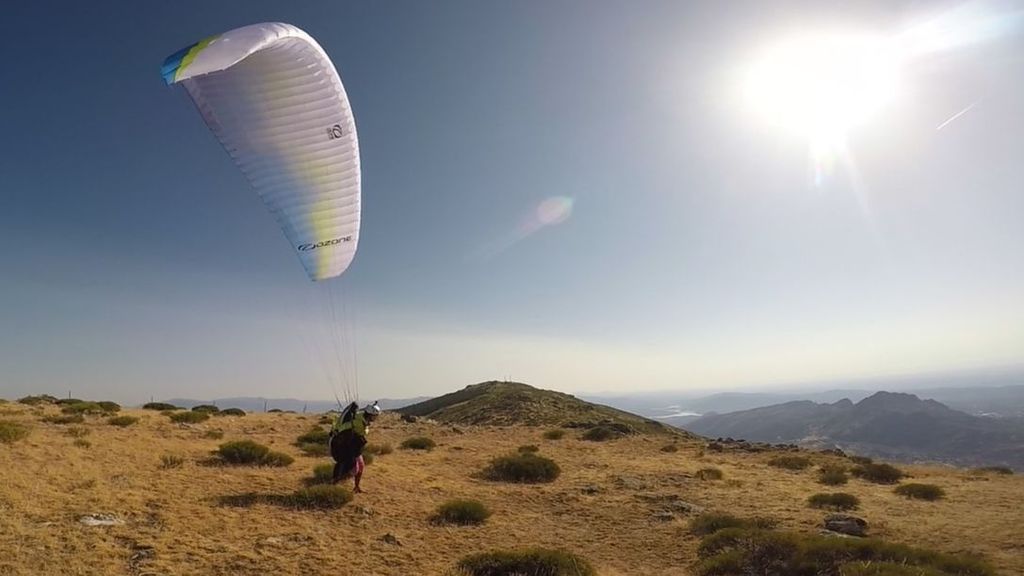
136,262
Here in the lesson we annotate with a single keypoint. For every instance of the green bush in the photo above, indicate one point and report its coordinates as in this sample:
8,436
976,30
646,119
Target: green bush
528,448
601,434
315,450
758,551
66,401
790,462
836,501
208,408
83,408
862,460
168,461
554,434
671,448
418,443
322,474
37,400
122,421
525,468
249,453
320,496
231,412
188,417
928,492
832,475
109,407
11,432
461,512
277,460
160,406
711,522
315,435
64,419
709,474
378,449
878,473
994,470
526,562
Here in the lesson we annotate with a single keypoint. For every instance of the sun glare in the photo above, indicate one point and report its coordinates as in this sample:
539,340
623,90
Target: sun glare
821,86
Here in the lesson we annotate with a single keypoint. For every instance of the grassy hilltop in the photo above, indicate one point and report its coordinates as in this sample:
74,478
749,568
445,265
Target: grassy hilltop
640,503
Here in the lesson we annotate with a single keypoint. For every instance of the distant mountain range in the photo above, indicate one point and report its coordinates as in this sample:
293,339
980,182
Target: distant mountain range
259,404
889,425
680,408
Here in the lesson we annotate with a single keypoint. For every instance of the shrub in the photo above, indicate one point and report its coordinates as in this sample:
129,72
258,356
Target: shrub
109,407
554,434
159,406
368,457
461,512
64,419
601,434
527,562
82,408
168,461
77,432
928,492
315,435
862,460
315,450
231,412
878,473
188,417
37,400
213,434
418,443
249,453
709,474
320,496
209,408
528,448
836,501
759,551
11,432
277,460
790,462
711,522
322,474
670,448
378,449
82,443
526,468
994,470
832,475
243,452
66,401
122,421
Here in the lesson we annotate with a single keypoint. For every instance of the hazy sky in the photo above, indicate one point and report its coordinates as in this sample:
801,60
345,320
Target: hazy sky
573,194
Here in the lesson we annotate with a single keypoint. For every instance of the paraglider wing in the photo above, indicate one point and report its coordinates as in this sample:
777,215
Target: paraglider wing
275,101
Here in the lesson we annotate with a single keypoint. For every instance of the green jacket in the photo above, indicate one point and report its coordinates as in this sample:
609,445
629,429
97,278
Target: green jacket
357,425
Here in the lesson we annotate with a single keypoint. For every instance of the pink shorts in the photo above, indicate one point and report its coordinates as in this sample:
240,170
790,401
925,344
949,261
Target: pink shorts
358,470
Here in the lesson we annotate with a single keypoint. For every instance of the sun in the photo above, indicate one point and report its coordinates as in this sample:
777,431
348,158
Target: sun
821,86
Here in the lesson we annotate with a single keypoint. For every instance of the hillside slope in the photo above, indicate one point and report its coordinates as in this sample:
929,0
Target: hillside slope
514,403
625,505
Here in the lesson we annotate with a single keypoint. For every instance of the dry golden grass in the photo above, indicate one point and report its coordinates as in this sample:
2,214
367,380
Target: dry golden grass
609,504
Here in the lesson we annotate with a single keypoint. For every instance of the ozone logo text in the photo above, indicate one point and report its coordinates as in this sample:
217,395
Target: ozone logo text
309,246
